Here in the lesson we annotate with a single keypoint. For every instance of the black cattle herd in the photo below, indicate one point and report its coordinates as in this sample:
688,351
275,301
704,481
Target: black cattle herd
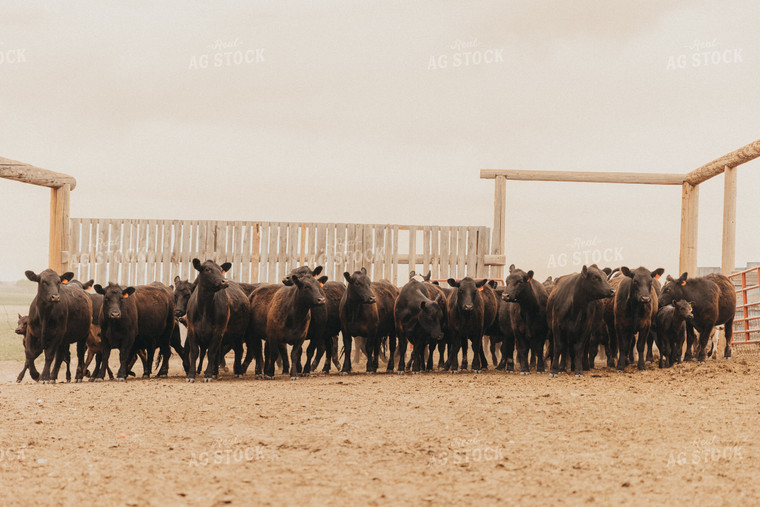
559,322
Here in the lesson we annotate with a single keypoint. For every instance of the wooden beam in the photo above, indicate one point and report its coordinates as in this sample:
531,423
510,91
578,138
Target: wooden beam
717,166
499,217
585,177
728,257
19,171
689,224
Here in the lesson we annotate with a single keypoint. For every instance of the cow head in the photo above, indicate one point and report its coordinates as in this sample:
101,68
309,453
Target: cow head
517,284
303,270
182,291
49,284
430,317
641,282
211,274
673,289
594,283
23,323
684,310
309,289
114,299
359,286
420,278
468,292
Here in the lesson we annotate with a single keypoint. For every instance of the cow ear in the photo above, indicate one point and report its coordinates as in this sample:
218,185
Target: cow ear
347,276
287,281
411,274
67,277
322,280
584,271
452,282
317,271
683,277
511,267
128,292
627,272
88,284
177,279
435,282
364,270
607,271
530,276
99,289
670,279
492,284
226,267
549,279
31,275
692,303
657,273
427,277
197,264
481,283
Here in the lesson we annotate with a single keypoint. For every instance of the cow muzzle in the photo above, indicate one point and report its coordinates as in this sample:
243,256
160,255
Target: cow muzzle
179,313
55,298
467,308
372,300
611,293
321,301
224,284
645,299
114,315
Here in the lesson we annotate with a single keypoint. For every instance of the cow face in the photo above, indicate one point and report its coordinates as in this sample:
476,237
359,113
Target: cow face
641,282
49,284
211,274
594,283
114,298
182,291
430,318
359,286
673,289
516,285
23,323
684,310
468,292
309,289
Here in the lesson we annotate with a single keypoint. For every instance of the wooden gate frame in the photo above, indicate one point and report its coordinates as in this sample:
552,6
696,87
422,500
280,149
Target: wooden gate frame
60,186
689,200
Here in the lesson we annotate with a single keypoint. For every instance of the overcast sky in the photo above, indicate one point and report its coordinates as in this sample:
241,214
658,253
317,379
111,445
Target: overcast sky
381,112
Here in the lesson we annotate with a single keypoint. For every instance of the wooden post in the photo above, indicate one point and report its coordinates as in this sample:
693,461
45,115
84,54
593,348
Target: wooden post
689,221
499,216
728,258
58,246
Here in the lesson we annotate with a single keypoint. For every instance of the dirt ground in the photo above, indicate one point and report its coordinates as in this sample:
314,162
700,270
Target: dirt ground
684,435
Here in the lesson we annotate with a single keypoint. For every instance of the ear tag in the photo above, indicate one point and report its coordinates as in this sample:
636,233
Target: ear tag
315,276
321,284
656,277
126,296
480,289
683,283
528,280
224,272
64,281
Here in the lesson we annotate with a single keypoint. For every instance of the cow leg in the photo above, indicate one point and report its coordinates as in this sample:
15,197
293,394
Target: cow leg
557,347
310,350
402,344
537,348
295,353
522,351
640,344
392,338
50,354
331,351
319,350
690,338
452,363
148,361
704,336
729,332
579,347
68,365
650,345
23,372
270,351
477,351
465,343
611,348
282,349
346,353
192,351
214,355
202,354
59,357
492,347
503,349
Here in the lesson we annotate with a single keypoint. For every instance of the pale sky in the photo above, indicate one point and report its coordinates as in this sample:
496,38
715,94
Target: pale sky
368,112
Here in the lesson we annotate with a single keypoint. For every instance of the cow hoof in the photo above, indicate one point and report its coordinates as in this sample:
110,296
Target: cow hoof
454,372
189,380
119,379
415,373
344,373
268,377
524,373
400,372
98,380
207,379
552,375
477,371
146,375
259,376
293,378
162,375
701,361
237,375
578,375
307,374
77,380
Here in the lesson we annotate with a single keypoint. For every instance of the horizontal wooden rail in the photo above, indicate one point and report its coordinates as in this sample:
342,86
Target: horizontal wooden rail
26,173
585,177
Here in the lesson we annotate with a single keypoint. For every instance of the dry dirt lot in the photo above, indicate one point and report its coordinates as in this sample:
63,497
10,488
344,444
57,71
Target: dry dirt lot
680,436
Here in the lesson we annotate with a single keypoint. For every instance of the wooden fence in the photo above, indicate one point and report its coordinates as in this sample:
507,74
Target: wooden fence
141,251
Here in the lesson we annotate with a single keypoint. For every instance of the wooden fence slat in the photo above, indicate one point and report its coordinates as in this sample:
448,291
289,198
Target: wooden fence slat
435,253
274,231
472,251
454,253
74,266
462,252
444,263
412,253
426,255
340,250
101,252
394,263
330,250
378,253
294,244
388,252
256,242
129,250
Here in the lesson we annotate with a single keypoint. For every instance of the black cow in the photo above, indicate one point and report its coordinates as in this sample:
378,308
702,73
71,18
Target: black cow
573,309
21,328
333,293
366,310
59,315
671,330
420,320
134,318
528,316
713,303
631,313
471,310
288,319
218,315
